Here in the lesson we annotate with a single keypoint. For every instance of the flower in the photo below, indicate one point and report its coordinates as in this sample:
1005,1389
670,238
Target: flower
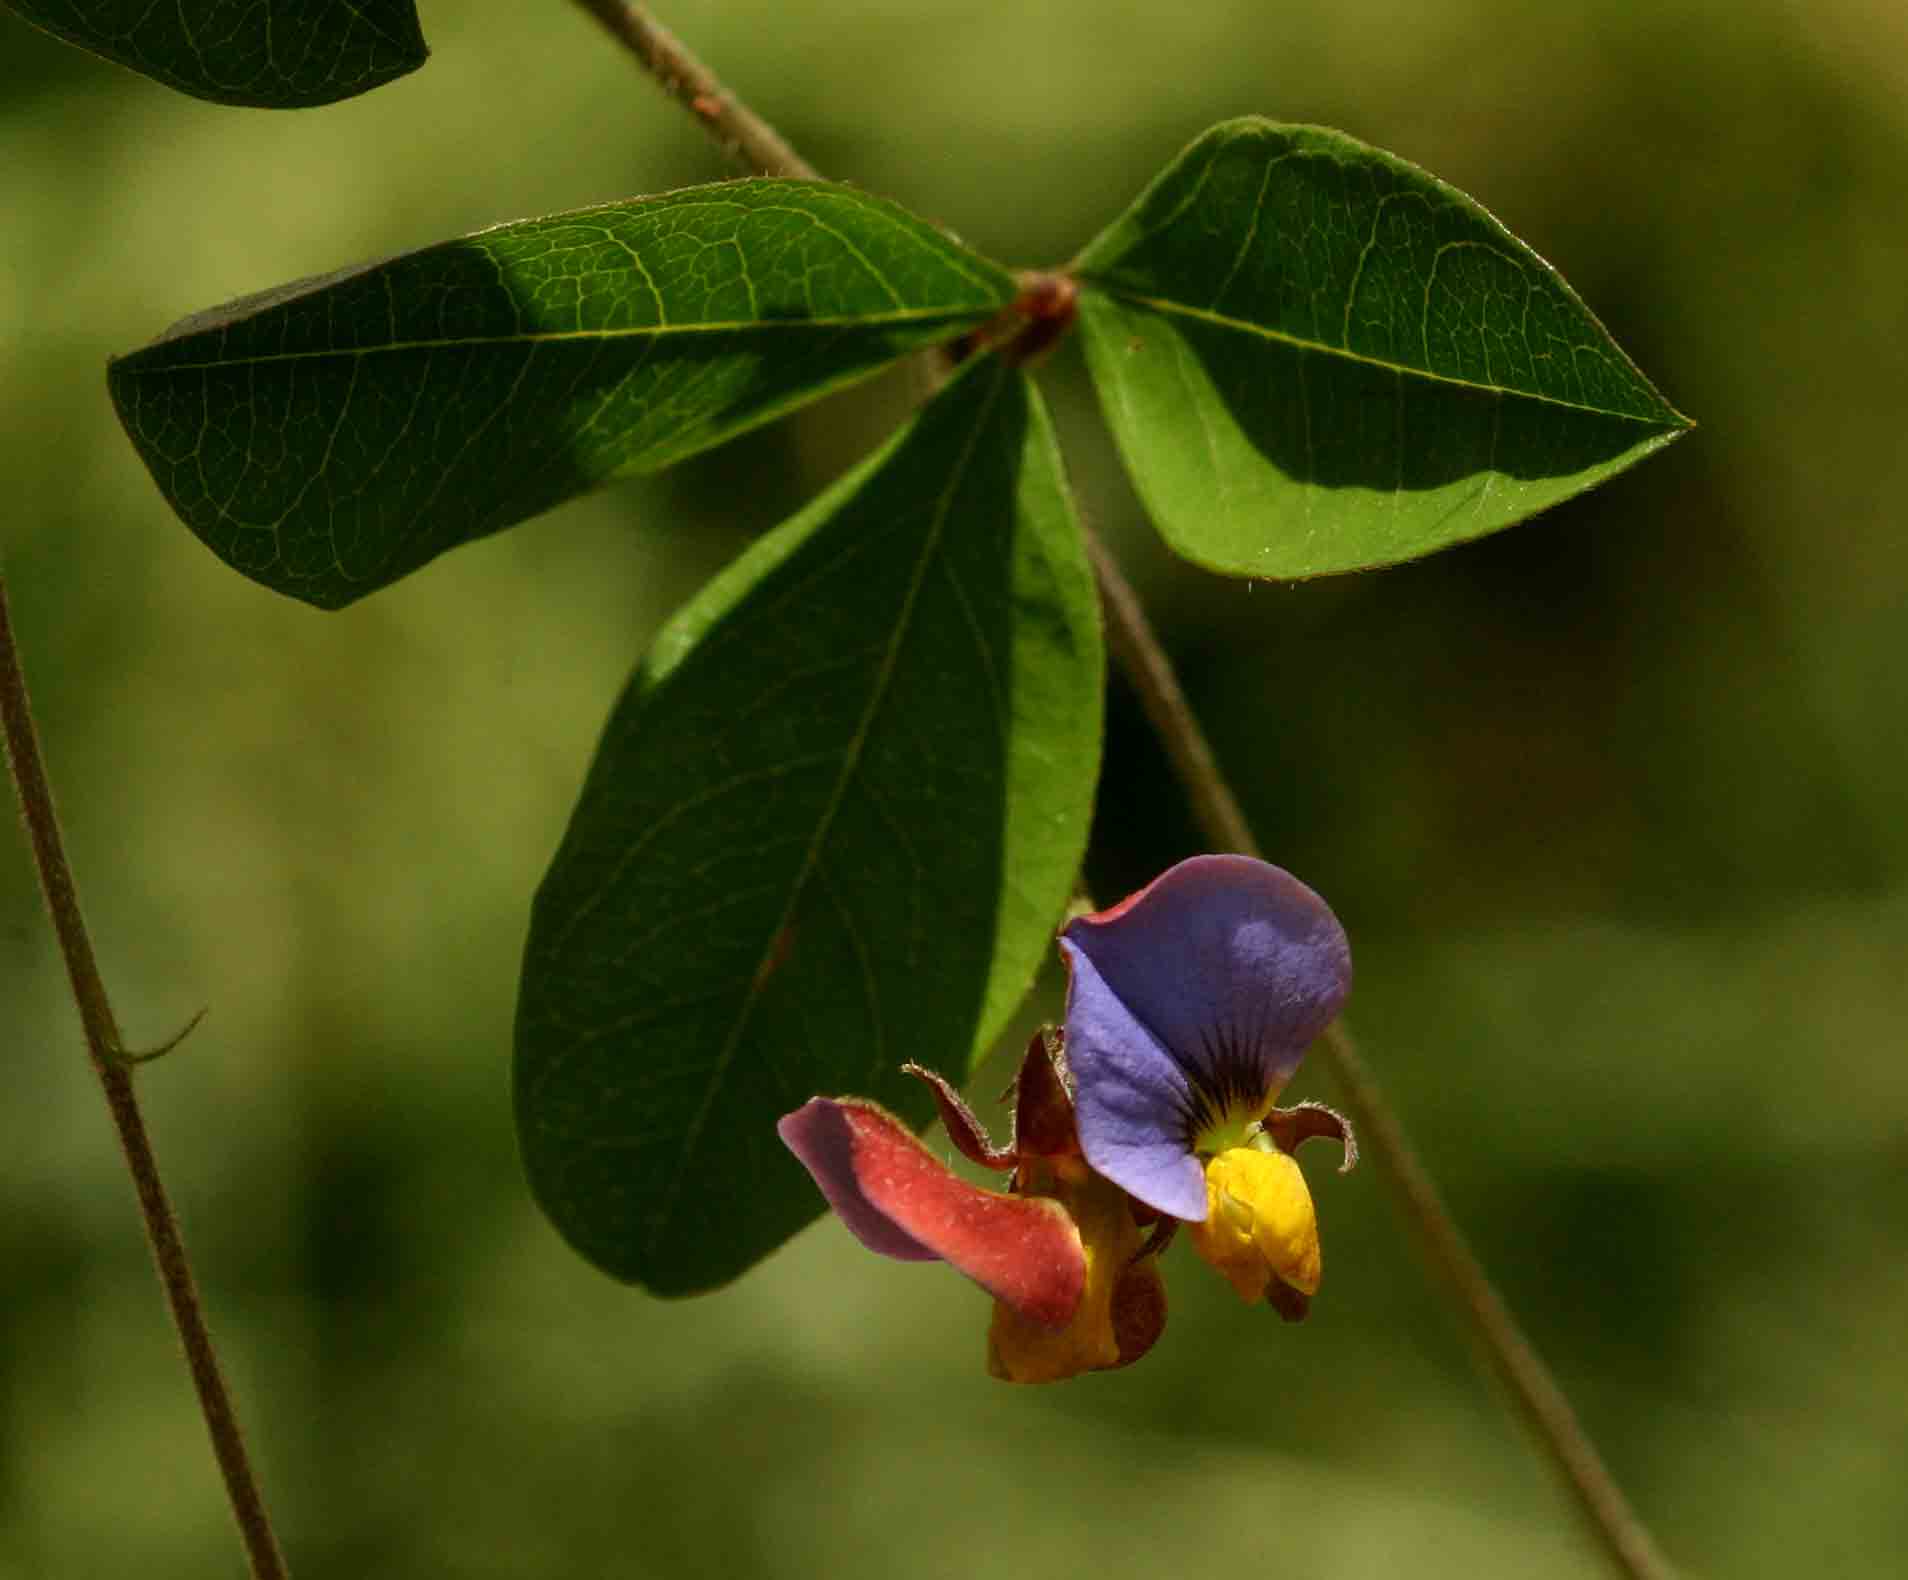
1189,1006
1074,1289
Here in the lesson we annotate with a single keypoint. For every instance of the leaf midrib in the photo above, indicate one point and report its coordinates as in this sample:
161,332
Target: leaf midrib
851,757
923,315
1171,309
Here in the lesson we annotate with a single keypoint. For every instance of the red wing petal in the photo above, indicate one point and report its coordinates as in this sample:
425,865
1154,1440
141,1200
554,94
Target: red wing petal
901,1200
827,1137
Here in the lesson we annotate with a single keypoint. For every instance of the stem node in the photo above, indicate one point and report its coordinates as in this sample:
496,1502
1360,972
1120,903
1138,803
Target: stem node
131,1060
111,1063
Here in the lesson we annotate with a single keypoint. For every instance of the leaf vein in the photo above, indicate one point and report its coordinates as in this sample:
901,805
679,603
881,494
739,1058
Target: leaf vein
1171,309
905,316
850,761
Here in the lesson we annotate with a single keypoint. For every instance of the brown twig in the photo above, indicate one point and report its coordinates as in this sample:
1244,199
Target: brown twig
111,1064
743,133
1512,1359
1139,654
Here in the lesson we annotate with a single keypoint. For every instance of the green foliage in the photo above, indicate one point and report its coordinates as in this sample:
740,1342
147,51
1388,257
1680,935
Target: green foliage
332,435
830,828
1611,802
836,815
1317,358
274,54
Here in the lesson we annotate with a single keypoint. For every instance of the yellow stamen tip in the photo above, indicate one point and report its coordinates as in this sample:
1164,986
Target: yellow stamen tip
1260,1223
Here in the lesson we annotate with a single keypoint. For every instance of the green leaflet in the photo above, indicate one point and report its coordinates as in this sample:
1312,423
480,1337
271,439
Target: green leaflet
1315,357
328,437
276,54
830,828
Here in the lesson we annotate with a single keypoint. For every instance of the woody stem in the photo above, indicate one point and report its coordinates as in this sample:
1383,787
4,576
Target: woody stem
1511,1356
113,1067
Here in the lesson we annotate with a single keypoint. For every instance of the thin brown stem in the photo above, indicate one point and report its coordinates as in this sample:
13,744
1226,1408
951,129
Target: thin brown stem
109,1063
743,134
1513,1360
1137,650
1150,672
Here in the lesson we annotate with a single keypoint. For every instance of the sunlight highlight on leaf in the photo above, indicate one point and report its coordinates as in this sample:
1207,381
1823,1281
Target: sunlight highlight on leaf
1315,357
328,437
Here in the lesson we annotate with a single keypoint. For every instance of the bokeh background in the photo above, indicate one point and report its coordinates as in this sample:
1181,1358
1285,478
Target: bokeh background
1611,805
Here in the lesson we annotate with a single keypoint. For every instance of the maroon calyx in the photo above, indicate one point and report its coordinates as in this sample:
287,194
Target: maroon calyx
1033,325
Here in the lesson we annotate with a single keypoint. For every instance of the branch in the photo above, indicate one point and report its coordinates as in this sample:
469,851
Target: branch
1137,650
744,135
111,1065
1516,1364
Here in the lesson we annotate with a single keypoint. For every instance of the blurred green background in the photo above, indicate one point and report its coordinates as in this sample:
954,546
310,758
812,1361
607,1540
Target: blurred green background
1609,804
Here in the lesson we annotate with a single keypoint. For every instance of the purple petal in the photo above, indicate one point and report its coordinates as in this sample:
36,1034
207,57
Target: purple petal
1130,1097
1225,969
